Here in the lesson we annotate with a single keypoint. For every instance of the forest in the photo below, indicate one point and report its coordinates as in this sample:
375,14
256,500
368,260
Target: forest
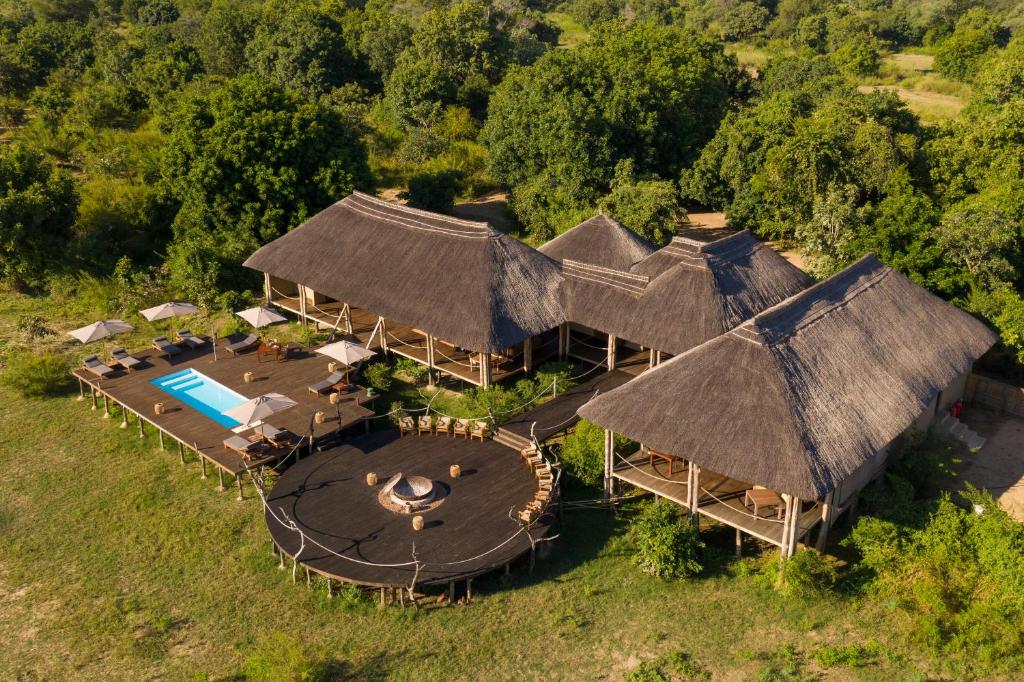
162,141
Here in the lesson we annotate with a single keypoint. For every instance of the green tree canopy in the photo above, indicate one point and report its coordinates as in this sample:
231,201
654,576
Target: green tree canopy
37,208
959,55
556,130
245,163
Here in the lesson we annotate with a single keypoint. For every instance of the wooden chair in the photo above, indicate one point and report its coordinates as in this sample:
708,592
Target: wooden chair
424,424
542,495
443,425
479,430
526,516
461,428
405,425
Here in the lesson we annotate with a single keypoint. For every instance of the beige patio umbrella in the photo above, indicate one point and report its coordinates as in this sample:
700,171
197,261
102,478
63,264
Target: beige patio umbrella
165,311
261,316
347,353
252,412
100,330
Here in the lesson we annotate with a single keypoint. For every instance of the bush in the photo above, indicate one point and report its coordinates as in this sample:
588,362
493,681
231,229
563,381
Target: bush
852,656
583,453
411,369
378,375
434,191
36,376
665,546
807,574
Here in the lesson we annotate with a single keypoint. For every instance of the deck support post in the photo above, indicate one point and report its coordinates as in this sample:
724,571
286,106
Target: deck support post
238,480
827,509
142,434
612,343
267,289
106,407
485,370
220,478
202,463
430,360
160,433
280,563
383,334
528,355
302,304
695,493
124,417
563,340
451,591
81,390
609,454
650,361
657,358
92,391
739,544
346,314
469,590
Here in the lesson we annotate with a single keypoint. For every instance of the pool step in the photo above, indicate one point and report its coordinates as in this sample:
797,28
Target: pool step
186,385
178,380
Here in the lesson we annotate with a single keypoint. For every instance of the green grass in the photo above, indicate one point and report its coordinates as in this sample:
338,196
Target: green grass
116,562
929,95
573,32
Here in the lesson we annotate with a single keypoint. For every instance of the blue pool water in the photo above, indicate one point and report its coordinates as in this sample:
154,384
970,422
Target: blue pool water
199,391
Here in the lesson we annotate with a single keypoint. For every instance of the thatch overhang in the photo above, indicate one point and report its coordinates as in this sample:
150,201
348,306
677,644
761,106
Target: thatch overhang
802,395
600,241
459,280
682,295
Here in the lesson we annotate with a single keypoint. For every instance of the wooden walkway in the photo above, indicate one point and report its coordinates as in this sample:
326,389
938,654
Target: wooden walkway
721,497
135,396
328,498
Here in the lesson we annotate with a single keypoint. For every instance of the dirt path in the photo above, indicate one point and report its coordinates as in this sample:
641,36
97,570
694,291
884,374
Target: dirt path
999,466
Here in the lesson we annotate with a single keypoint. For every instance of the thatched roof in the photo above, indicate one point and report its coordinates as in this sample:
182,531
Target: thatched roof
600,241
682,295
799,397
459,280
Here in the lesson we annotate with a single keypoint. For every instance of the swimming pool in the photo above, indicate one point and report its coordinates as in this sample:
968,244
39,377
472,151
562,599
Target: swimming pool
199,391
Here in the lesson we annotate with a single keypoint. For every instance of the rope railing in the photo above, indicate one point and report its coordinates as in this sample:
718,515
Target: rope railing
649,474
573,339
744,510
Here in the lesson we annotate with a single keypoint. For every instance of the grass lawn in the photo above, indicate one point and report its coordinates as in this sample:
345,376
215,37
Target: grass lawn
929,95
573,32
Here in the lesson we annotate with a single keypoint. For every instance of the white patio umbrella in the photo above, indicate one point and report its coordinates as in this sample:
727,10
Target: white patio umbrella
261,316
167,310
347,353
257,409
100,330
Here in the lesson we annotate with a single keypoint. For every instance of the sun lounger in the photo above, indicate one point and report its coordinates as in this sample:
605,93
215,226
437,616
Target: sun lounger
166,347
121,357
279,437
325,385
93,365
245,344
241,445
189,339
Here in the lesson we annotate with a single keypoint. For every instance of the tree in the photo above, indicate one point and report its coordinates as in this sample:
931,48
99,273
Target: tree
648,207
557,130
959,55
982,240
227,28
834,220
244,164
37,208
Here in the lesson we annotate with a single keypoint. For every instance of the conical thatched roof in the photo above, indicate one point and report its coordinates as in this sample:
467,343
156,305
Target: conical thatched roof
600,241
459,280
682,295
803,394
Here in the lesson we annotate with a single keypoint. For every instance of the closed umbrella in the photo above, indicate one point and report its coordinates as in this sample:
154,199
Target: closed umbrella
347,353
261,316
259,408
100,330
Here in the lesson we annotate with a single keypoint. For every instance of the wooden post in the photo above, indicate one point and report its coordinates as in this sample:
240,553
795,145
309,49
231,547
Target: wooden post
202,461
696,494
81,389
563,340
106,407
238,480
609,449
142,434
826,521
268,291
181,452
469,590
612,342
485,369
794,533
92,392
430,360
124,417
650,362
302,304
383,334
657,358
451,591
220,478
160,433
346,314
739,544
528,355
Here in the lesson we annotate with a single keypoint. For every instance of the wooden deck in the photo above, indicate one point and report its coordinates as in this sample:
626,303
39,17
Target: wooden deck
721,497
328,498
194,430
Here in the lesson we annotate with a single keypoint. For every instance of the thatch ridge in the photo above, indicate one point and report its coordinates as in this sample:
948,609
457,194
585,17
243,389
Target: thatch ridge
802,395
601,241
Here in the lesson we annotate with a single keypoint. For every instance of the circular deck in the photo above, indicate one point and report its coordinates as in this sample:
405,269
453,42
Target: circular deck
326,495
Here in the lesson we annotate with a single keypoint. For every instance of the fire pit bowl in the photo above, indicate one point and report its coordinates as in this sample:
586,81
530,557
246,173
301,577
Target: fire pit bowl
407,494
413,489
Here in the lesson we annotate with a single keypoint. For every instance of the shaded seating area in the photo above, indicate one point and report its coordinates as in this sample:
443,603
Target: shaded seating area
162,344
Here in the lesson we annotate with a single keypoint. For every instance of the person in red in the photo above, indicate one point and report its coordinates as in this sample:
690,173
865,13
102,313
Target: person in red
956,409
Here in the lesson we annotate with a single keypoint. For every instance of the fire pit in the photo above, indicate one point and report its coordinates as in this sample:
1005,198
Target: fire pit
407,494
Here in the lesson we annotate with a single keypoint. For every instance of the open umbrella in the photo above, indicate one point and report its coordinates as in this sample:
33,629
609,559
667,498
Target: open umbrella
259,408
168,310
100,330
346,352
261,316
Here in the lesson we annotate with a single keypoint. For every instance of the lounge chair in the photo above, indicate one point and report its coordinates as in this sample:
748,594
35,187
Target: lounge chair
166,347
189,339
424,424
279,437
242,446
121,357
443,425
405,423
243,345
461,428
95,366
324,386
479,430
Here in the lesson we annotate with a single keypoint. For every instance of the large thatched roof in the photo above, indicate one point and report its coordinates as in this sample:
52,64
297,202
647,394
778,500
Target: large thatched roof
459,280
600,241
803,394
682,295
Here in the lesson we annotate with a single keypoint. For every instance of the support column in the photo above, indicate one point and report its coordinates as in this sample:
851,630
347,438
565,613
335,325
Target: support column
383,334
563,340
81,390
794,532
142,433
528,355
827,508
651,362
302,304
430,360
346,314
267,289
106,407
485,369
612,342
609,463
696,494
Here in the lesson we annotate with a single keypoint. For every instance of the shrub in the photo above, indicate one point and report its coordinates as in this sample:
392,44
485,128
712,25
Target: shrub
35,376
550,372
665,546
807,574
851,656
434,191
411,369
583,453
378,375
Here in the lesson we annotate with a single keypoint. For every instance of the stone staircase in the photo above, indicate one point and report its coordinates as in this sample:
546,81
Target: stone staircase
512,440
956,428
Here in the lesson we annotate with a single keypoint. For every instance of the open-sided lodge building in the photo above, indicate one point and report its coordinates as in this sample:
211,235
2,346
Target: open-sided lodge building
803,402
